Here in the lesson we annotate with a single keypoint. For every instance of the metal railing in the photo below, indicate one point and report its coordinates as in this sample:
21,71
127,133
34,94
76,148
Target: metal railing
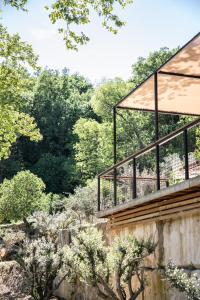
169,160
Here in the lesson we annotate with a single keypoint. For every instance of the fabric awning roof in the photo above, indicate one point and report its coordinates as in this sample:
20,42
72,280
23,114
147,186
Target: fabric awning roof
178,85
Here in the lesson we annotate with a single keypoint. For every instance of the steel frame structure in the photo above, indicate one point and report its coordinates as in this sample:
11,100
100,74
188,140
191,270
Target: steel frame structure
158,141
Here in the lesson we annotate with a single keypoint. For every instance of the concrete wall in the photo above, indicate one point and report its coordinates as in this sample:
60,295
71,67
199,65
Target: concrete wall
178,240
79,291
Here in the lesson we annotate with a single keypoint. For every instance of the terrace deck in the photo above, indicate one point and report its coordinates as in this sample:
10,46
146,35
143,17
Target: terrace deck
174,200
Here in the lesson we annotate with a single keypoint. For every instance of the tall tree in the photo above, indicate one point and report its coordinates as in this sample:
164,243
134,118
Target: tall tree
59,100
135,130
146,66
15,84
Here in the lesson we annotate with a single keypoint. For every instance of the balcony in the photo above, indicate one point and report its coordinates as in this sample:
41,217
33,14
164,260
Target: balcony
170,160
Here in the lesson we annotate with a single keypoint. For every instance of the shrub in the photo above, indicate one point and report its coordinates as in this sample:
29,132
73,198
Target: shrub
83,201
48,226
180,280
41,260
41,255
21,196
94,263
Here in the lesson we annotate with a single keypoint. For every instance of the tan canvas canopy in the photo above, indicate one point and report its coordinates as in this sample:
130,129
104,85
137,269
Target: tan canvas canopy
176,83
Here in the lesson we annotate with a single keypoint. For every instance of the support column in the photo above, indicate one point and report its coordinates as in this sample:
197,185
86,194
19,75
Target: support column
115,155
114,136
157,130
99,194
134,188
185,139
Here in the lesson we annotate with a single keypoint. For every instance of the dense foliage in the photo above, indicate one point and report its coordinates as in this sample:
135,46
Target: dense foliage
58,101
179,279
21,196
41,254
15,86
135,130
83,201
13,125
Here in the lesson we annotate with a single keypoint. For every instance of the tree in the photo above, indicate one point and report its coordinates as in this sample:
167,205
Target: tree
75,13
144,67
15,85
107,95
19,4
87,149
13,125
190,286
58,173
41,262
93,150
16,56
48,226
135,130
100,266
21,196
59,99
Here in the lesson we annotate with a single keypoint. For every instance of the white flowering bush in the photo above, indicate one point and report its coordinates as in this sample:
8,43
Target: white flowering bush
180,280
48,226
108,268
41,254
41,260
83,201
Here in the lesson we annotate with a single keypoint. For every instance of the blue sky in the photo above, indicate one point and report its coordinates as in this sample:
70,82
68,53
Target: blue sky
151,24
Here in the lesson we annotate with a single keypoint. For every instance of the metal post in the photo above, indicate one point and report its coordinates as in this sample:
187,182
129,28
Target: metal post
99,194
115,155
115,187
185,139
114,136
134,190
157,130
158,166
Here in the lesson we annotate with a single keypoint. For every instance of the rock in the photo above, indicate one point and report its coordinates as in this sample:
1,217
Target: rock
3,253
4,291
13,284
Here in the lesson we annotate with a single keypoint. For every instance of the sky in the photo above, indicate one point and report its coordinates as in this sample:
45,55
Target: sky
150,24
